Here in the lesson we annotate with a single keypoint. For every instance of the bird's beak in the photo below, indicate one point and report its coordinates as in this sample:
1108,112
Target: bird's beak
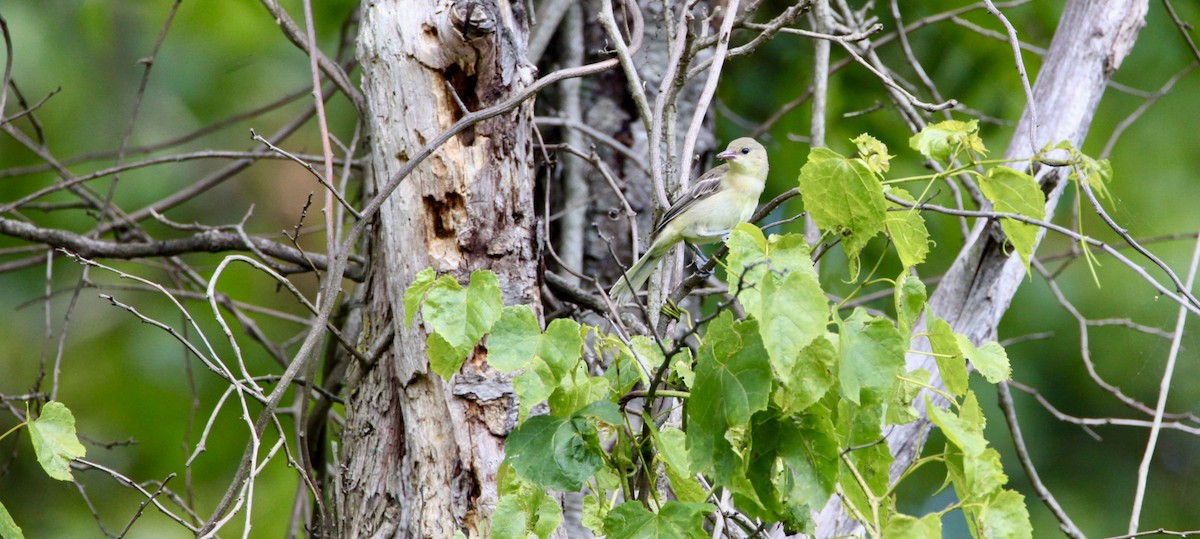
727,155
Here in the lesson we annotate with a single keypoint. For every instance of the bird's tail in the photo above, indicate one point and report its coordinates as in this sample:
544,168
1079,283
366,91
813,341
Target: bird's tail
635,277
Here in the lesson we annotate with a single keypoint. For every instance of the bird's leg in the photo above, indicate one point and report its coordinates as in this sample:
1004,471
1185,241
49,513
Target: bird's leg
700,261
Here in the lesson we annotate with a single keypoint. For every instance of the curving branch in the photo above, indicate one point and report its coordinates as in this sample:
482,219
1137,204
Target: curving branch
209,241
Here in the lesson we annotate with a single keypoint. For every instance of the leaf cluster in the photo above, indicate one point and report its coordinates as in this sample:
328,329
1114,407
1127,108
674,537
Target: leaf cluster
780,410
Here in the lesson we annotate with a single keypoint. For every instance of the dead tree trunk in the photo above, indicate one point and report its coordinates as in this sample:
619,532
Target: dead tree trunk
421,453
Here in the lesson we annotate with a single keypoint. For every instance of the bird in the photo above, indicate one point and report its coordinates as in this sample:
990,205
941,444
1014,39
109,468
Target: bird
718,201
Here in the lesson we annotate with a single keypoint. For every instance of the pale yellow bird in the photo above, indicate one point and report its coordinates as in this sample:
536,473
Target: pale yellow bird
719,200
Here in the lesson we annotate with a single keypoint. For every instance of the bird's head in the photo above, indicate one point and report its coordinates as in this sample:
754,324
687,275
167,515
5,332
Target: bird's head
746,156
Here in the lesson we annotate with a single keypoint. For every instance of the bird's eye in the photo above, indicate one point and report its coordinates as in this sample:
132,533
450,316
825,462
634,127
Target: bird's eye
745,151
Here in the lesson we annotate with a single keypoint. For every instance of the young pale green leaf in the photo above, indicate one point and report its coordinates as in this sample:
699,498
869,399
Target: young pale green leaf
964,430
534,386
1096,173
945,140
990,359
907,229
554,453
733,381
561,346
8,526
843,197
982,475
681,368
484,304
1005,517
873,153
514,339
806,379
416,292
444,358
908,527
594,513
676,520
460,317
949,357
1013,191
794,312
752,256
54,440
910,299
871,353
747,250
510,521
899,405
672,449
524,510
578,390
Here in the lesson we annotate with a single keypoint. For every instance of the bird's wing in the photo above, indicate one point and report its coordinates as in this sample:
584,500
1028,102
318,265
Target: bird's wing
704,187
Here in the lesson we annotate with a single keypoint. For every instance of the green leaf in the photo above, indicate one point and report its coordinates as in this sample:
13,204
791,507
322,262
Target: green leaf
900,409
907,229
910,299
460,317
945,140
1095,172
416,292
733,381
623,371
949,357
524,510
510,520
8,526
843,197
873,153
859,427
514,339
964,430
54,440
562,346
554,453
871,354
1013,191
533,386
605,411
578,390
631,520
752,256
682,368
809,376
672,449
976,477
793,466
907,527
444,358
594,513
1005,517
794,313
990,359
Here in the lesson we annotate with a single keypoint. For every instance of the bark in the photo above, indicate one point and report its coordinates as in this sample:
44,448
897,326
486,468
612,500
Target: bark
1091,41
421,453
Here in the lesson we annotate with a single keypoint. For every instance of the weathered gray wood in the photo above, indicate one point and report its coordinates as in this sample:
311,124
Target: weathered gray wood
1091,41
421,454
